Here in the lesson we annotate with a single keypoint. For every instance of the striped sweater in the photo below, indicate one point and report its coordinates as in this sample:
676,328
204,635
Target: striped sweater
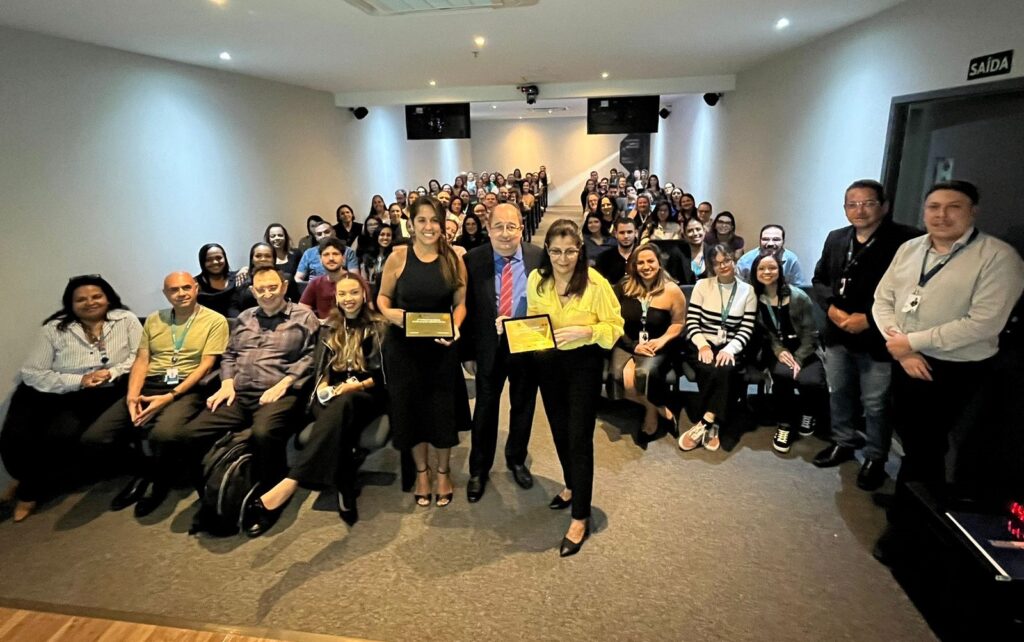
704,315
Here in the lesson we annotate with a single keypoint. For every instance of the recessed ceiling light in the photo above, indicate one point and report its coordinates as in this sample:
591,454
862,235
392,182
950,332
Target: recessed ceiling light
781,24
520,118
433,83
494,106
225,56
551,111
479,41
219,3
604,74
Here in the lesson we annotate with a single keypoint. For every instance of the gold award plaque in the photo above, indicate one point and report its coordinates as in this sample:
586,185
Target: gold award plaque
529,334
431,325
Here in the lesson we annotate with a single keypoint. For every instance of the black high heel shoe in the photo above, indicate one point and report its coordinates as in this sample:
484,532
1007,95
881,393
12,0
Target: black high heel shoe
443,500
557,503
347,509
570,547
423,500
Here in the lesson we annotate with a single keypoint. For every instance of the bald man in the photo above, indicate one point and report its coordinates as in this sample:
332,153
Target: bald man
179,347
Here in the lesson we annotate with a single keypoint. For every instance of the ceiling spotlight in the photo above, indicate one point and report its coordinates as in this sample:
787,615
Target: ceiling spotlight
551,111
781,24
494,106
479,41
225,56
604,74
433,83
712,99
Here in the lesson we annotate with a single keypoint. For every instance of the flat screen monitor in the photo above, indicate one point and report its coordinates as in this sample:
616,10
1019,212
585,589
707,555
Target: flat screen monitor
432,122
623,115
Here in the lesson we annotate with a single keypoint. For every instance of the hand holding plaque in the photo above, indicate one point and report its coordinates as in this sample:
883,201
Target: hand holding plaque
429,325
529,334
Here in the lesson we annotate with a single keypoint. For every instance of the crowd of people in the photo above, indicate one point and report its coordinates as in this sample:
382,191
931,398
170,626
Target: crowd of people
647,285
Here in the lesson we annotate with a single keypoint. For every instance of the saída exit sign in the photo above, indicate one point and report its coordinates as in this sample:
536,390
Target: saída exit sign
995,64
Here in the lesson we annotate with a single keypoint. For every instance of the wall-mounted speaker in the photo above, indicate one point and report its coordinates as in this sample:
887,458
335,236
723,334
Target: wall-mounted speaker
360,112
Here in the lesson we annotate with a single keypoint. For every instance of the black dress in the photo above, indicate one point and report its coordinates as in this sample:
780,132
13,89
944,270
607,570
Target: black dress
650,371
424,378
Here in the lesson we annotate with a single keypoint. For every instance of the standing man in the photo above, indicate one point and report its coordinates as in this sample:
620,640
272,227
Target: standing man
179,347
268,359
940,307
857,365
612,265
496,289
310,266
773,239
320,294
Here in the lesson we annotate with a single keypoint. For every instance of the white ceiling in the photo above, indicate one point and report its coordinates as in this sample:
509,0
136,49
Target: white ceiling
333,46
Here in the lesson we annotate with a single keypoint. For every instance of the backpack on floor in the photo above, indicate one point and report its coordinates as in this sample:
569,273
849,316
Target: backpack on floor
228,479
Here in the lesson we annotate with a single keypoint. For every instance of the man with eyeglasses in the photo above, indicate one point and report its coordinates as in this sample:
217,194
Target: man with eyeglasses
268,359
612,265
496,290
179,347
773,240
857,365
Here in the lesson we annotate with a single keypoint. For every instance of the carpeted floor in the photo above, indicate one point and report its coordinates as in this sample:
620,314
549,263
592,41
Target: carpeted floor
741,545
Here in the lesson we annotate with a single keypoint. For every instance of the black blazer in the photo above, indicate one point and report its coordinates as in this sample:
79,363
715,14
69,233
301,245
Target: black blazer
479,341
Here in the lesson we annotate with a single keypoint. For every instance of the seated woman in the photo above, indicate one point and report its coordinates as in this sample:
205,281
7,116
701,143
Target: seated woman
346,228
609,212
786,317
587,322
216,280
365,241
286,259
349,393
654,309
719,325
451,232
372,264
260,255
693,230
75,371
473,234
596,241
309,240
723,230
662,226
378,207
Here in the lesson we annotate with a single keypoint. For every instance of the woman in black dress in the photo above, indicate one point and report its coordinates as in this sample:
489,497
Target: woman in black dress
654,309
348,394
424,375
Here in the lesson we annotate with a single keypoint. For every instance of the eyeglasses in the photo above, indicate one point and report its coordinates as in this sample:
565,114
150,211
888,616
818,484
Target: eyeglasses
557,254
268,289
856,205
723,263
509,228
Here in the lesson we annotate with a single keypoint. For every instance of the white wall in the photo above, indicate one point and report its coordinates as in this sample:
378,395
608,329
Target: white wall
801,126
123,165
381,160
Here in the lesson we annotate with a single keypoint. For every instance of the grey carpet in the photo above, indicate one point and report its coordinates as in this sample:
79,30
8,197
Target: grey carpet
744,545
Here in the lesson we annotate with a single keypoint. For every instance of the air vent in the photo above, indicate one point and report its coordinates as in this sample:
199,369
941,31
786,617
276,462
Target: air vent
420,7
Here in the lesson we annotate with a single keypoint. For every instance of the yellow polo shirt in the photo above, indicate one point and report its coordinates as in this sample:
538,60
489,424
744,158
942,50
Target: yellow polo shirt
207,335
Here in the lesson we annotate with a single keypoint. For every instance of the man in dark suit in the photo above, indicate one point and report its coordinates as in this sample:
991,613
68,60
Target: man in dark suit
497,289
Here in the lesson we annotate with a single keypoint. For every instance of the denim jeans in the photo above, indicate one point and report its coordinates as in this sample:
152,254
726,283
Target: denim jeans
857,381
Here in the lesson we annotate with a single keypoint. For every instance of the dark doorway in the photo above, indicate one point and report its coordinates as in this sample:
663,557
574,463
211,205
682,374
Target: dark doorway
973,133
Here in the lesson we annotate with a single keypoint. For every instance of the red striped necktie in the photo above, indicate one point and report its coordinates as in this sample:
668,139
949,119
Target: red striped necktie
505,298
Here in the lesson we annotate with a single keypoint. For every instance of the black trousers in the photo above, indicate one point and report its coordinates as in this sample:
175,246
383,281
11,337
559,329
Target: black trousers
570,385
927,411
717,386
810,381
40,444
517,369
114,433
327,458
271,425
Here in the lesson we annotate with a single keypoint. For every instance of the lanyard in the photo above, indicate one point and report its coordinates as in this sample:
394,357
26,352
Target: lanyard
732,297
851,259
926,277
775,319
178,342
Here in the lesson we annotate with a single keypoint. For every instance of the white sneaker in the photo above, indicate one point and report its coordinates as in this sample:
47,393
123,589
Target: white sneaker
711,440
693,437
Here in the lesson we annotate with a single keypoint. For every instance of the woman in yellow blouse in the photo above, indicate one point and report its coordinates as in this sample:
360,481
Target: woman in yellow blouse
587,321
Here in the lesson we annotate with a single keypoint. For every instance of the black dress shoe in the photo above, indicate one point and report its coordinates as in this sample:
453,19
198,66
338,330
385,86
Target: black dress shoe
347,509
522,475
570,547
131,493
833,456
475,488
557,503
871,475
151,500
258,518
